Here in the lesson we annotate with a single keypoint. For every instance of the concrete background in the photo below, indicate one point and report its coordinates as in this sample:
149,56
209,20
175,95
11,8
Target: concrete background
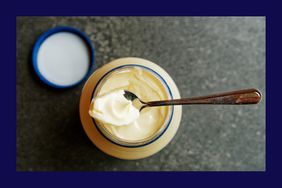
202,54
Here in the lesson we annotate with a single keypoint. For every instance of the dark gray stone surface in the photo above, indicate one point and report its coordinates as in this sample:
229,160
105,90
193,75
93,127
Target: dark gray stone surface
202,54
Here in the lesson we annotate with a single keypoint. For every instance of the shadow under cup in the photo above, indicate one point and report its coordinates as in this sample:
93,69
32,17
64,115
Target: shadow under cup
155,135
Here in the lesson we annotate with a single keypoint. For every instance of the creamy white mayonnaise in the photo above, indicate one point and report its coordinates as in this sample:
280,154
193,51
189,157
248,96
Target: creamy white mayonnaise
114,109
112,115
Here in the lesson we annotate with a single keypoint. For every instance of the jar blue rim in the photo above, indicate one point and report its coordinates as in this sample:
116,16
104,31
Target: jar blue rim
170,118
55,30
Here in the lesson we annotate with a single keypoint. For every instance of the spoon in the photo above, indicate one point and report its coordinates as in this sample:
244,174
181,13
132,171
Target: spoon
246,96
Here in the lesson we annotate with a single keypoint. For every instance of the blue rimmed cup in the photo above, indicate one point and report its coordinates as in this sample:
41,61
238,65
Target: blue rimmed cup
134,143
51,32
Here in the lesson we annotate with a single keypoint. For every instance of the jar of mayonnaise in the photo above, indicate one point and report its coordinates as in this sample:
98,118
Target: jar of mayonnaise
113,124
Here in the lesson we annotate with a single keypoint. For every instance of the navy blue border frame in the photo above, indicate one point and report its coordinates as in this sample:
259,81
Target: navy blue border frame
55,30
10,10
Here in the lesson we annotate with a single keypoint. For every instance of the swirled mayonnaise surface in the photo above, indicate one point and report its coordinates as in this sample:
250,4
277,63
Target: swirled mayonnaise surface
114,109
116,114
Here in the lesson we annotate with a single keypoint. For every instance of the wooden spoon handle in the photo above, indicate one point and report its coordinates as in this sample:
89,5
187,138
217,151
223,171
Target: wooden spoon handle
246,96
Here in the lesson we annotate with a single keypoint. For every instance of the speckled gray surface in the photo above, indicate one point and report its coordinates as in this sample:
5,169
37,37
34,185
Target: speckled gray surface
202,54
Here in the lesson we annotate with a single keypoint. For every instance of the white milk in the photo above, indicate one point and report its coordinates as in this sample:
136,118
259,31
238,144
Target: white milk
63,58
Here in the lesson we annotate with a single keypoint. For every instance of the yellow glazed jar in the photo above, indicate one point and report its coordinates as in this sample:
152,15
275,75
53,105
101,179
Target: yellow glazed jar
155,127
